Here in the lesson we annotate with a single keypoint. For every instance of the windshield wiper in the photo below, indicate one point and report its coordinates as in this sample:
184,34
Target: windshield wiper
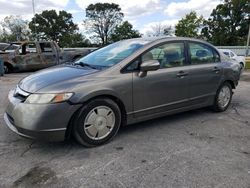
85,65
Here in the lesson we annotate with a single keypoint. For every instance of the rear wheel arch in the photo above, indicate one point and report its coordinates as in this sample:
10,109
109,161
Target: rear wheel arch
242,64
223,98
231,83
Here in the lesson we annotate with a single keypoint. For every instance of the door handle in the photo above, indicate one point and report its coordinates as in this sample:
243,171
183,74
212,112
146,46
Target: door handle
216,70
181,74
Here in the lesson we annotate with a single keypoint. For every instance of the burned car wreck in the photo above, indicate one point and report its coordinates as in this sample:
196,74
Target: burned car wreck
30,56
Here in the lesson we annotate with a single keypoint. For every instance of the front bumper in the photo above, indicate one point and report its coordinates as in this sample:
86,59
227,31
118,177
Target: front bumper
47,122
47,135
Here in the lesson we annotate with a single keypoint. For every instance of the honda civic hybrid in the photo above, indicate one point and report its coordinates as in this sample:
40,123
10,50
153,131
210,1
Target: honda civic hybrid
123,83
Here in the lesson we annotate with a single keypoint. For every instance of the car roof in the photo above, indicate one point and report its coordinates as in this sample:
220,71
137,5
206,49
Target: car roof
166,38
150,40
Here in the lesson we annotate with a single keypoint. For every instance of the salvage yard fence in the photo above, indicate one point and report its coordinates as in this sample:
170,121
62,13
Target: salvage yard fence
239,50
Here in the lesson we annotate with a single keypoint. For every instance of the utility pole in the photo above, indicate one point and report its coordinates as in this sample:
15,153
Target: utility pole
248,38
34,12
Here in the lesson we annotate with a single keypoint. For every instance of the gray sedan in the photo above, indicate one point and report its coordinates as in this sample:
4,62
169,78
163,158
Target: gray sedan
123,83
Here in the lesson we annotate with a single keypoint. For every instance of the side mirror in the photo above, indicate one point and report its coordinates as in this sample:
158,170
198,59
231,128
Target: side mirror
150,65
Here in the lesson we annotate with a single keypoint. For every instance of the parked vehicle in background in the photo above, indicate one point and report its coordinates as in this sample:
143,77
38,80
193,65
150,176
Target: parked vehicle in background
232,55
123,83
30,56
3,45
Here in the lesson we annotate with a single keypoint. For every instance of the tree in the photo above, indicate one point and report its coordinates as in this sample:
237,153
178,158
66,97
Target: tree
228,23
189,26
53,26
74,40
15,28
102,18
124,31
168,31
159,29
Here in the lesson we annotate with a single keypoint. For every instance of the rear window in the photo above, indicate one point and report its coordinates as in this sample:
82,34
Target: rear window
202,53
46,47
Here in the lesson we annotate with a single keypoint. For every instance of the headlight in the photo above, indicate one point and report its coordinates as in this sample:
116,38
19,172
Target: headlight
48,98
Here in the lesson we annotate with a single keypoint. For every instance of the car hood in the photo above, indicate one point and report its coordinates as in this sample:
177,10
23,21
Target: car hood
47,77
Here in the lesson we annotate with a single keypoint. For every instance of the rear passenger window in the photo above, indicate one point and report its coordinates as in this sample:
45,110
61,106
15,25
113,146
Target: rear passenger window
30,48
46,47
201,54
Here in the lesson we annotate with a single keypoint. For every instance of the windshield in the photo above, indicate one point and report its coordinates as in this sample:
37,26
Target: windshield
112,54
11,47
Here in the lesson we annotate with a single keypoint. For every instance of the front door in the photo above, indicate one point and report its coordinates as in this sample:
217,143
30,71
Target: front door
48,54
28,57
166,88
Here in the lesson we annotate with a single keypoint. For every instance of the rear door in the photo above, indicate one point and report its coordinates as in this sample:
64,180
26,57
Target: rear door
205,72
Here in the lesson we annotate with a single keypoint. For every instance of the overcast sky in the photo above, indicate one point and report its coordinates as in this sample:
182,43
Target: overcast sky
141,13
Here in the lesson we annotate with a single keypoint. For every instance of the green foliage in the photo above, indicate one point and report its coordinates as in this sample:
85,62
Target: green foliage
14,29
189,26
102,18
74,40
228,23
168,30
124,31
5,37
52,26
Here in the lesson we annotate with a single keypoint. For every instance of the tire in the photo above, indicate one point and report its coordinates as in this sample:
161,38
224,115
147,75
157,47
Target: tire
97,122
223,97
7,69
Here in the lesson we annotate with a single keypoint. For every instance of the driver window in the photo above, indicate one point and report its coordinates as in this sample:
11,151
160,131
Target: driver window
168,55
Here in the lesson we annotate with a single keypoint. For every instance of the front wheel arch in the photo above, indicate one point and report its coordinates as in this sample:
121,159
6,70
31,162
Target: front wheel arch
120,104
8,68
82,137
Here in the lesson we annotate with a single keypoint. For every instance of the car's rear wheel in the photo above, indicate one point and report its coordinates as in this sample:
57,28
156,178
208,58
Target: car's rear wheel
223,97
97,122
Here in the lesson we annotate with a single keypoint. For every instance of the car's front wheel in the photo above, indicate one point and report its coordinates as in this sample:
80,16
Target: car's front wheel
97,122
223,97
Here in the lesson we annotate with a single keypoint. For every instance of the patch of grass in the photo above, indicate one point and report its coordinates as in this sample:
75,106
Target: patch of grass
248,62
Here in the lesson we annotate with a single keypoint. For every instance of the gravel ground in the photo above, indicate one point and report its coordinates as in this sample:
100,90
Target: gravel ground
199,148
